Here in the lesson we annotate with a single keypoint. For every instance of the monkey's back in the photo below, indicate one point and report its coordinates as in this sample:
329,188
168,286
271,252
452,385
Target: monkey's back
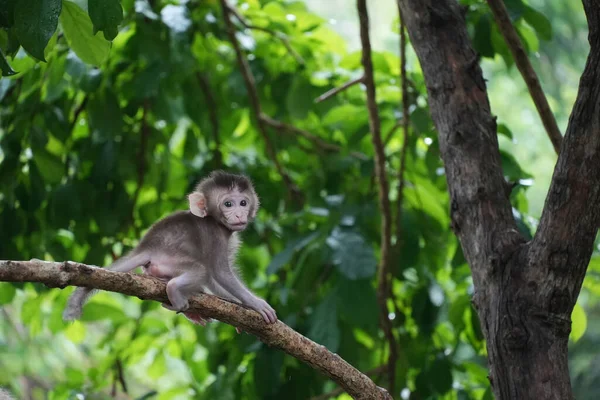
184,235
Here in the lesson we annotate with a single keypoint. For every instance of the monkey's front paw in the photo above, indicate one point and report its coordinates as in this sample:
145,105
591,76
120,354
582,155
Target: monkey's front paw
267,312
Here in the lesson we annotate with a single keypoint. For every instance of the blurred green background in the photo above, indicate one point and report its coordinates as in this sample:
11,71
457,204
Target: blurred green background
105,138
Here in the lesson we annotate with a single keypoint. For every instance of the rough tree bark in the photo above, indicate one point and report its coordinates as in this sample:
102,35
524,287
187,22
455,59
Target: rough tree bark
54,274
524,291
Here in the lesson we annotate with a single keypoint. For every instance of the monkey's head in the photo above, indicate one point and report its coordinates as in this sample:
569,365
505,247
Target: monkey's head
229,198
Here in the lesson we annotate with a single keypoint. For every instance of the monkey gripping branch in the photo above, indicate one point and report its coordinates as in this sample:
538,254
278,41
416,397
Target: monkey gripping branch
61,275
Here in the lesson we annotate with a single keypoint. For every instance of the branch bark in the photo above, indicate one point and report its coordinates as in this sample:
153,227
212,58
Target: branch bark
384,199
61,275
213,115
524,292
527,72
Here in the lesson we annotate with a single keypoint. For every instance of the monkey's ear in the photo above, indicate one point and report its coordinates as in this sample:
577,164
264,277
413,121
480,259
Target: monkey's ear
198,204
255,207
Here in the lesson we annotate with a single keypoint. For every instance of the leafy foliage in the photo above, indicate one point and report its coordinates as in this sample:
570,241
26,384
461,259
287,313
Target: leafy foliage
112,115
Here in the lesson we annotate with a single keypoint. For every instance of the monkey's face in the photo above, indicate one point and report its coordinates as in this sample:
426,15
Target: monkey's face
234,209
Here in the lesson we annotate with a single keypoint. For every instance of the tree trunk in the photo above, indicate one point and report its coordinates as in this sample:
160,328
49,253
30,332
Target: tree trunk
524,291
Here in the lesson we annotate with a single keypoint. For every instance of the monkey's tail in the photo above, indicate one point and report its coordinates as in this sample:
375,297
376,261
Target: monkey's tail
74,307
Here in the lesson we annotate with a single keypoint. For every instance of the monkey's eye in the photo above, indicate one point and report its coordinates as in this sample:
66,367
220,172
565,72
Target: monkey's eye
243,203
228,204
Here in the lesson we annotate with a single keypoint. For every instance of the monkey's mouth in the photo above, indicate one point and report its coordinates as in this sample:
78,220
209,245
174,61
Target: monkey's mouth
238,225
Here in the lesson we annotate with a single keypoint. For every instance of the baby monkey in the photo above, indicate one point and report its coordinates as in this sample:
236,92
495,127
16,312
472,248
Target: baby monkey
194,250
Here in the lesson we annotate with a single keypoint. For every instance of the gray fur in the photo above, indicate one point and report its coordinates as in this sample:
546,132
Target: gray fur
196,254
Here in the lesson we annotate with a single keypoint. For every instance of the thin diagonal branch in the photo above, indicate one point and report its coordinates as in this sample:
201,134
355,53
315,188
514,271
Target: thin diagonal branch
293,190
77,112
317,141
390,134
527,72
283,38
61,275
384,200
334,91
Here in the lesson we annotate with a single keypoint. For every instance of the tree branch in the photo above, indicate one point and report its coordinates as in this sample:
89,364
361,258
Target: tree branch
55,274
293,190
283,38
213,115
527,72
317,141
384,200
334,91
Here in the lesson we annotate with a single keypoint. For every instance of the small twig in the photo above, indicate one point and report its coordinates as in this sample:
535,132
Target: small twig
337,391
121,375
391,132
213,115
317,141
283,38
334,91
293,191
527,72
384,200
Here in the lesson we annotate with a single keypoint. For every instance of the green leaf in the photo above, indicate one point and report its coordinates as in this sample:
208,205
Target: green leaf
158,367
352,256
7,11
7,292
106,15
424,312
539,22
505,130
267,368
51,167
578,323
5,66
500,47
357,302
482,40
511,168
440,373
348,118
94,311
286,254
515,9
64,205
324,328
79,32
105,116
35,23
528,37
457,310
